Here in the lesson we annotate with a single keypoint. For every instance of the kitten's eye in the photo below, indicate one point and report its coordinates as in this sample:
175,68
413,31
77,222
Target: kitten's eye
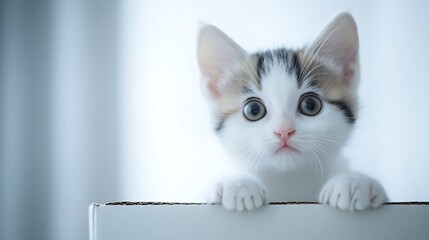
310,104
254,109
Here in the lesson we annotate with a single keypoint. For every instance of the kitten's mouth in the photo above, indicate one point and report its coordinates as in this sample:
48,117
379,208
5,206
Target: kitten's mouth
285,148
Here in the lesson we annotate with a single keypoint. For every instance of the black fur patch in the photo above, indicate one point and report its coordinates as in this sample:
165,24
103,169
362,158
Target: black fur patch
263,62
220,124
297,68
283,55
345,108
246,90
260,68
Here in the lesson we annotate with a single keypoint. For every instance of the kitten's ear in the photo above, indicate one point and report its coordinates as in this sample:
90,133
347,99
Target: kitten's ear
339,43
216,54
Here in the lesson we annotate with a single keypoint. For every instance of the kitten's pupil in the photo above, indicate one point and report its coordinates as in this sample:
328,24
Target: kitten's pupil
310,104
254,109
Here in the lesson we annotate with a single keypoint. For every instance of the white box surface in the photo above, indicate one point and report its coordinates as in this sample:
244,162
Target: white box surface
141,220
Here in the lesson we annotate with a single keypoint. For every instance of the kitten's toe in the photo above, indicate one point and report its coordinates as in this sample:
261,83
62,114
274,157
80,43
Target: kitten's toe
244,200
229,197
248,203
260,200
252,198
377,195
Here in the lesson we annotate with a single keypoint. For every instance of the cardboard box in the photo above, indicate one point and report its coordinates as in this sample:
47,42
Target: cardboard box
153,220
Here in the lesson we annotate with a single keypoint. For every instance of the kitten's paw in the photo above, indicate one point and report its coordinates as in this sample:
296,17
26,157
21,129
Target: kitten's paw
353,191
240,193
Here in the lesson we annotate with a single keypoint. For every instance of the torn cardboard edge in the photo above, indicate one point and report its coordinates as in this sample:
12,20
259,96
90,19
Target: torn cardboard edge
114,220
131,203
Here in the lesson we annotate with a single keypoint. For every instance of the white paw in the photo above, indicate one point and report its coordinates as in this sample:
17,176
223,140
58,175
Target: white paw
353,191
240,193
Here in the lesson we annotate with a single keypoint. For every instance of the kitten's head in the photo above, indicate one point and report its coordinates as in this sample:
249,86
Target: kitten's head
283,108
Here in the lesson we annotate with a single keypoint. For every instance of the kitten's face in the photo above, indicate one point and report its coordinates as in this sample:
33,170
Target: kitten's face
283,108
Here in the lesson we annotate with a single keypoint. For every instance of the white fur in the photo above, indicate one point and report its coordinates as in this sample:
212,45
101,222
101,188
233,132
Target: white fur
273,177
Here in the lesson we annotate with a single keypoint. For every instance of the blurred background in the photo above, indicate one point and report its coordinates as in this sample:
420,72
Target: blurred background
100,100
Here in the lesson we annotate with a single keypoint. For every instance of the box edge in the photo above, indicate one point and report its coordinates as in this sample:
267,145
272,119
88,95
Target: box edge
93,220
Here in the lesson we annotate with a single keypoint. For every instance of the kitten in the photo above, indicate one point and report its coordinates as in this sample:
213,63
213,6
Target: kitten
284,115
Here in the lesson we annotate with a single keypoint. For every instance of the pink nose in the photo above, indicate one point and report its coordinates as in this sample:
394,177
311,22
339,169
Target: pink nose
285,134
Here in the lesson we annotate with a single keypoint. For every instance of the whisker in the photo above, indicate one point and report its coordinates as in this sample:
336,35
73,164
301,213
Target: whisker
314,51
